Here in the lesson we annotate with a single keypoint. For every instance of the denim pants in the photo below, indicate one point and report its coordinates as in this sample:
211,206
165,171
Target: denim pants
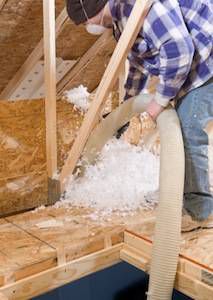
195,111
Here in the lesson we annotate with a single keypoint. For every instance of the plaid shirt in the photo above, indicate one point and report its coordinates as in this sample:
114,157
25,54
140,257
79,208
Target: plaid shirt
174,44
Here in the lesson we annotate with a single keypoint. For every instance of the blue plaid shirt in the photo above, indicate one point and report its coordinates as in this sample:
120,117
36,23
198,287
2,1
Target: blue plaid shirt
174,44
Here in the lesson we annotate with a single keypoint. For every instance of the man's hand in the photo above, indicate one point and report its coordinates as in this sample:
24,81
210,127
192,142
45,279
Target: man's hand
154,109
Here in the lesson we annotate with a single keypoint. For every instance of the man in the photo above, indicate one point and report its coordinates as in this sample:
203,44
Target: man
175,44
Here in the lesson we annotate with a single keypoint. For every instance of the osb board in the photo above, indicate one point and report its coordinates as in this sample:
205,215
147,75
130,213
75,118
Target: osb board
35,239
196,245
199,246
93,71
21,254
23,192
22,129
21,23
23,179
75,232
73,41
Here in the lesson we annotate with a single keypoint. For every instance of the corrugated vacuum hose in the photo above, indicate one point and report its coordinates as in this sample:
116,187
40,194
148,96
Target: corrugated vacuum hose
166,244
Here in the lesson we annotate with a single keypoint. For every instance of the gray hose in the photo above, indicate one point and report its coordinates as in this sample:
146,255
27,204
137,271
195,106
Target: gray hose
168,221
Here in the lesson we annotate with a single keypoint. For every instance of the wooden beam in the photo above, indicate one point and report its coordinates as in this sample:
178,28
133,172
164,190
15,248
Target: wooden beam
50,85
65,273
121,83
83,62
192,279
126,41
33,58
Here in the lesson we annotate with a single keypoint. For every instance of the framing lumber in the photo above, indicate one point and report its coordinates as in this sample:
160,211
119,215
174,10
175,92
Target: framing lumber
128,36
33,58
65,273
82,63
50,85
192,278
121,83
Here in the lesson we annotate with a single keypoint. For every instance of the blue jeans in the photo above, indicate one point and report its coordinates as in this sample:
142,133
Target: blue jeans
195,110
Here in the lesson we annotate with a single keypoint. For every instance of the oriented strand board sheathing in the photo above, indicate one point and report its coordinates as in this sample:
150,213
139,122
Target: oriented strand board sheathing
22,146
74,233
23,179
21,254
91,74
23,192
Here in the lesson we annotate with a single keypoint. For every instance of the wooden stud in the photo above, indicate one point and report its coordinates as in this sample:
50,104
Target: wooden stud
50,85
33,58
122,79
127,39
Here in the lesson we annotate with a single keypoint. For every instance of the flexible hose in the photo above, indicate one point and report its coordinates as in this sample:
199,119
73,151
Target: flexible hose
168,220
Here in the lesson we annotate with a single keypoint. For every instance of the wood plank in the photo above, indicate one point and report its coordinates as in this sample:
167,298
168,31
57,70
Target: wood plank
121,83
50,85
75,232
193,278
128,36
22,254
63,274
33,58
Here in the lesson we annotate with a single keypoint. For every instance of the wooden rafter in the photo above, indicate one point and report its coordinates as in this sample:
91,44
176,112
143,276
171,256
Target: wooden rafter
50,85
108,80
32,59
82,63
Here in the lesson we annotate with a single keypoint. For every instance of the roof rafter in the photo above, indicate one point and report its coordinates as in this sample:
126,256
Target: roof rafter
79,67
32,59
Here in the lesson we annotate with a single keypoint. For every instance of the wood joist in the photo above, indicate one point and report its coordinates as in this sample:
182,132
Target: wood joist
53,248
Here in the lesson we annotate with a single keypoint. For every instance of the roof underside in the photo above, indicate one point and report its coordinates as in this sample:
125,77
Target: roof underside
21,30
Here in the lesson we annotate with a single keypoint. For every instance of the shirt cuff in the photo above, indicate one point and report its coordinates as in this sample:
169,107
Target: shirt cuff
162,100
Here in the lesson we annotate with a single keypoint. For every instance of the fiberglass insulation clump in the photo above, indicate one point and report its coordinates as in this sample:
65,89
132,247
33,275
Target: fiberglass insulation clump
125,178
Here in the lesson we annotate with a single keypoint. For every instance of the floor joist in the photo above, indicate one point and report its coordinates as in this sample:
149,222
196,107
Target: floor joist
192,279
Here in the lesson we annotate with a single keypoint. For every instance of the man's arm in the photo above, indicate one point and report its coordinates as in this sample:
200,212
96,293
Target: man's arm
166,30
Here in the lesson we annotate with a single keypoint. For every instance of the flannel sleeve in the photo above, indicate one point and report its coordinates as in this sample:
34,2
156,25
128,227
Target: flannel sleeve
135,82
165,29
